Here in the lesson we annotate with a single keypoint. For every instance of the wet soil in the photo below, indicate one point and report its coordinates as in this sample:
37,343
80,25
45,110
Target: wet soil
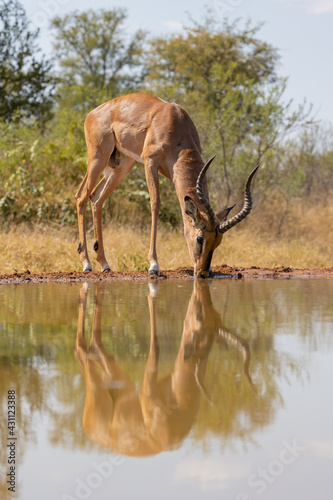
223,271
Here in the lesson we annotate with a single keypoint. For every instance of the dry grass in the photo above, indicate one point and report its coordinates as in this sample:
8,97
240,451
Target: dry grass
306,241
44,249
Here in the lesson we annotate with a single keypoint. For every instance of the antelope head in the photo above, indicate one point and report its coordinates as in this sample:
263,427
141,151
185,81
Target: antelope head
205,229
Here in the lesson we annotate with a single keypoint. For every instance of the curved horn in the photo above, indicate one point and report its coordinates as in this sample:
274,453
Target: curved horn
225,226
200,193
244,349
201,387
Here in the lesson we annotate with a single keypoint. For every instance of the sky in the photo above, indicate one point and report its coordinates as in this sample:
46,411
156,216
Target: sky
301,30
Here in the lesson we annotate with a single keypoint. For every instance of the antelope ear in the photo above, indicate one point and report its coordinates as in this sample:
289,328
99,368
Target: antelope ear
191,209
222,216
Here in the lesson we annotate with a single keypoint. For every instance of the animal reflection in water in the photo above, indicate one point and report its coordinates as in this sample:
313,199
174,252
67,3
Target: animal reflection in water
158,418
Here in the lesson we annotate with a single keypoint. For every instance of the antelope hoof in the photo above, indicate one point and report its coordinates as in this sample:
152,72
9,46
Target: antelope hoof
154,269
105,268
87,268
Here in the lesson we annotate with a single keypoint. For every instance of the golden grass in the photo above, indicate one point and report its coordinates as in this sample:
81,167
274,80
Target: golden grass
48,249
245,250
307,241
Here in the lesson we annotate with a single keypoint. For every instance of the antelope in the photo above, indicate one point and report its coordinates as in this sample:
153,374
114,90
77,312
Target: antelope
120,417
144,128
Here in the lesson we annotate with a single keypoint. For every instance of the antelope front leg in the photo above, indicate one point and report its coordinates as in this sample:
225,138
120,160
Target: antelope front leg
149,388
97,203
154,350
155,204
82,197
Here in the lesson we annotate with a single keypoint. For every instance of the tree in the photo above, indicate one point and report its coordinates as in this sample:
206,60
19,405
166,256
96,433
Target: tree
26,83
97,59
226,79
307,165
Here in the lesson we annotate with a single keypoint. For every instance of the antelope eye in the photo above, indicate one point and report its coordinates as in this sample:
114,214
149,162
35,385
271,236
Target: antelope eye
200,240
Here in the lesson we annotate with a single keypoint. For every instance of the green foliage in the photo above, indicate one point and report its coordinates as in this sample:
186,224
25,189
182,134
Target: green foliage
188,62
97,59
224,76
40,173
226,79
305,165
26,83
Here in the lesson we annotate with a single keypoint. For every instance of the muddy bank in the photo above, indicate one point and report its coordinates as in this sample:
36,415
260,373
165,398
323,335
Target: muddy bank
182,272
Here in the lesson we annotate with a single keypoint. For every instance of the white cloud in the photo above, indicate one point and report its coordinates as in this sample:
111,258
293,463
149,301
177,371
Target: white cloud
173,25
322,449
311,6
210,470
320,6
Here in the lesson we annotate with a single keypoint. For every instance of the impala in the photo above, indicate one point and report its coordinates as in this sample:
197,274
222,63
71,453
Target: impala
162,136
120,416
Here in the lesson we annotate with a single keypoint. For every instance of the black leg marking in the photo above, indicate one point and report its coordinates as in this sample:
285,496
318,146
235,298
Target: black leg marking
96,246
79,248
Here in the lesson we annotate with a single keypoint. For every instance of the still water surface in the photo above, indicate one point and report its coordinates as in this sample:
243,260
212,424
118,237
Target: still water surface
219,390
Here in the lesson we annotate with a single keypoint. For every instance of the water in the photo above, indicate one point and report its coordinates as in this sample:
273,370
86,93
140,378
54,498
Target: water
220,389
